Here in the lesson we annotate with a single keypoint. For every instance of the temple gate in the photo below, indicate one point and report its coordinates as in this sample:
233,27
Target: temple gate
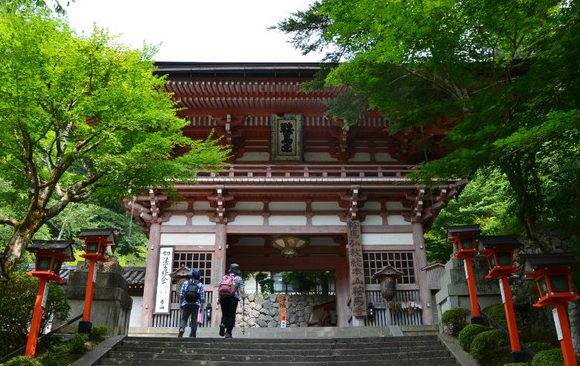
300,193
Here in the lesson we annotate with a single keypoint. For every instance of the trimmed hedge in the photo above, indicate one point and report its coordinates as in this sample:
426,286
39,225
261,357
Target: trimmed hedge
552,357
491,348
455,319
468,333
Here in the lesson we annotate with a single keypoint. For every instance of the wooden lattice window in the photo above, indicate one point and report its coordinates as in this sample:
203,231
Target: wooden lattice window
402,261
195,260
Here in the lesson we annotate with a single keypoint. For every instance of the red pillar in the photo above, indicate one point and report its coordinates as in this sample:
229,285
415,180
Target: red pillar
566,341
471,287
36,318
90,291
509,313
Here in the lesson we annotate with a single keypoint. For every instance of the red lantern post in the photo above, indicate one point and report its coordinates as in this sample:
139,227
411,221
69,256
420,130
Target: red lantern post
499,251
552,275
97,242
49,258
463,239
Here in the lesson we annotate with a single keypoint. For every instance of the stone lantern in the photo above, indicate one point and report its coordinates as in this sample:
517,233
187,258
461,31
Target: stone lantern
387,278
49,258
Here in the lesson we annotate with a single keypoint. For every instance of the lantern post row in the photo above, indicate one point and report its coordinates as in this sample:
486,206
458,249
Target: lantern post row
49,258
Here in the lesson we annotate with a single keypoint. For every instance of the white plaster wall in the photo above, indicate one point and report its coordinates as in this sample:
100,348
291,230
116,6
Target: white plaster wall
176,220
287,220
362,157
313,157
198,220
388,239
248,206
135,317
247,220
372,220
384,157
201,205
397,220
178,206
395,206
318,220
371,206
187,239
254,156
287,206
325,206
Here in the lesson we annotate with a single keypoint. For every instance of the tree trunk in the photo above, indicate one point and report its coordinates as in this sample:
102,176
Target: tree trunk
16,247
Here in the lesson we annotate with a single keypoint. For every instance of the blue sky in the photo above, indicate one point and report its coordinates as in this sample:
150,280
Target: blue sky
196,30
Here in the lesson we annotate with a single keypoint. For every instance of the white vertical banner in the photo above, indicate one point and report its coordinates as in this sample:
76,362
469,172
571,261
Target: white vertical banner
163,300
502,292
44,296
557,323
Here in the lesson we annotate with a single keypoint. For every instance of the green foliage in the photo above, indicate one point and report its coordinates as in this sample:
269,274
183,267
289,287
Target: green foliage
98,332
516,364
497,313
63,353
82,116
539,346
552,357
302,282
500,77
487,200
22,361
491,348
455,319
467,334
267,286
17,299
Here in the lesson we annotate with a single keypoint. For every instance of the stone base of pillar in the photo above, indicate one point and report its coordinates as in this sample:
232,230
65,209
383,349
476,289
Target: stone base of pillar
111,305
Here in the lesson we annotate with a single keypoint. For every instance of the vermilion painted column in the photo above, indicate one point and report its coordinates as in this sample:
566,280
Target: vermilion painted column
471,288
510,314
566,341
36,318
90,291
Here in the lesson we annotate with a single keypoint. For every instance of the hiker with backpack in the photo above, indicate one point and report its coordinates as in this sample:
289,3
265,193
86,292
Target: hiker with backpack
230,288
191,297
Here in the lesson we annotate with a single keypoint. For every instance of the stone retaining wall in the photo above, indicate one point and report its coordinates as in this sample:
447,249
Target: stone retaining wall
262,311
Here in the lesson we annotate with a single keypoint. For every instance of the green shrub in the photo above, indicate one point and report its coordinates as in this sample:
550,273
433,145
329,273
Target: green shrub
17,298
468,333
516,364
539,346
455,319
98,333
22,361
497,313
552,357
491,348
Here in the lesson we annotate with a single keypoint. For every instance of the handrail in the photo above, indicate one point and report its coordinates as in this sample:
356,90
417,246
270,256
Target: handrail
498,326
312,171
40,340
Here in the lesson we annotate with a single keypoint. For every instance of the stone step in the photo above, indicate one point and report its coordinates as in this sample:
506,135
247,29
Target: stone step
278,355
444,361
294,332
287,348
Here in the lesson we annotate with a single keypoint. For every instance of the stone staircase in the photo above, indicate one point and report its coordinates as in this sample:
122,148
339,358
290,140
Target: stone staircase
272,351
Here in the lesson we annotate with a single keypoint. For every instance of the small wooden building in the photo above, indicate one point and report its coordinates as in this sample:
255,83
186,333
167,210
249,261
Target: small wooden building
300,193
